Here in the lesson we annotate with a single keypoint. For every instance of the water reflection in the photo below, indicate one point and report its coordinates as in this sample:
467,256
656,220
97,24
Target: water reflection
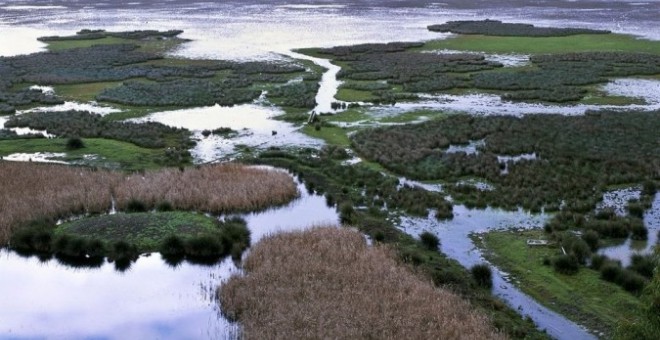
152,298
255,123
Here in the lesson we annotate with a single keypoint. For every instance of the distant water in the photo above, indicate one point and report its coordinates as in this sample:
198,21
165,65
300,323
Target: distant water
262,29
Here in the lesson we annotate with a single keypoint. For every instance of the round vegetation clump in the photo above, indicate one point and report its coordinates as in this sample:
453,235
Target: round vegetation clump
566,264
597,261
135,205
75,143
631,281
429,240
173,245
482,275
164,206
611,272
204,247
346,212
122,250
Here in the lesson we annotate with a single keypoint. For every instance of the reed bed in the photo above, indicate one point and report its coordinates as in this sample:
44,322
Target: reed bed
30,191
215,189
326,283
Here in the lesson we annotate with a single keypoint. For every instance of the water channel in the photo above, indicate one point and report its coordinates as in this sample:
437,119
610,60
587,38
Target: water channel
153,300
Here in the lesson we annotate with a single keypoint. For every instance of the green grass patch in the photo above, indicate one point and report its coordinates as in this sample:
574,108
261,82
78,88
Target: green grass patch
350,95
68,44
583,297
84,92
537,45
348,116
412,116
331,134
110,153
146,230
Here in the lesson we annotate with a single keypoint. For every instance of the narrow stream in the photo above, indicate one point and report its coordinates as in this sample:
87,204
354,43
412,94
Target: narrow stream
456,243
151,300
329,84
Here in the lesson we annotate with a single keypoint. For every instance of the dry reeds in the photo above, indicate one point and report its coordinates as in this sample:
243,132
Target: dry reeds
30,191
215,189
326,283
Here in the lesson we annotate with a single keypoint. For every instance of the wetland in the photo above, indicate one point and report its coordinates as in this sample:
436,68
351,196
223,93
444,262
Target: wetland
180,148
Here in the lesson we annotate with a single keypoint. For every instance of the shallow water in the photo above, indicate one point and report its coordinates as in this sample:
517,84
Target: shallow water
623,251
489,104
266,30
92,107
456,243
329,83
254,122
261,29
41,157
149,301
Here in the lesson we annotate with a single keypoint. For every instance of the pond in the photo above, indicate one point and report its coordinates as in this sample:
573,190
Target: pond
255,123
151,300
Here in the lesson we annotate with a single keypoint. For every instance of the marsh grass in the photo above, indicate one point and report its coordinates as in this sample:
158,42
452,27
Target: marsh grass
30,192
327,283
215,189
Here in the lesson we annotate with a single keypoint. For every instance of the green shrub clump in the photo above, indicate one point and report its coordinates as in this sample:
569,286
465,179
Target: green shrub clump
482,275
429,240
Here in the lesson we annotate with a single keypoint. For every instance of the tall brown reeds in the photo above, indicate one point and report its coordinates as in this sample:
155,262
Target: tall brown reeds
30,191
326,283
215,188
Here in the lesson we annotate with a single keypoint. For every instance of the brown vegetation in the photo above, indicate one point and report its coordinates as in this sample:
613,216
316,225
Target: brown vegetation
31,191
215,189
327,283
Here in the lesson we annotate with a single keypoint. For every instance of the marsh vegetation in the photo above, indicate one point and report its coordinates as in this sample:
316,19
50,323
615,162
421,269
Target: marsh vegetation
33,192
326,282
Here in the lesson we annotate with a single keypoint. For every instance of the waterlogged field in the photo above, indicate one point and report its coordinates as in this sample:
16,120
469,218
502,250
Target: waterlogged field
349,120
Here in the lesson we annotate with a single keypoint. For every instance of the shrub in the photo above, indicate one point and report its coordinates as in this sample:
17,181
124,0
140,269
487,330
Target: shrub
135,205
636,209
597,261
592,239
96,248
74,143
482,275
576,247
643,264
429,240
122,250
164,206
566,264
346,211
631,281
611,272
205,246
172,245
638,230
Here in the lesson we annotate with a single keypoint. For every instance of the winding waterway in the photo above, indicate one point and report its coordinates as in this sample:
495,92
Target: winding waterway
152,300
